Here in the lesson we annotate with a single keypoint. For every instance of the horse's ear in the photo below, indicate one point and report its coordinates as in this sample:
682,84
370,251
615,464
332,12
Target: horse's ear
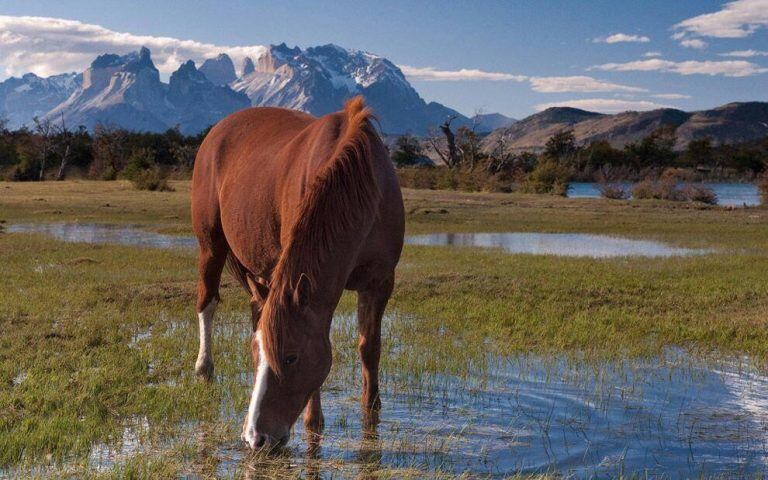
259,290
302,291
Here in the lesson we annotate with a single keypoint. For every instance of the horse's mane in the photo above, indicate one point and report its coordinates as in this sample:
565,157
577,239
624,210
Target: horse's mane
343,193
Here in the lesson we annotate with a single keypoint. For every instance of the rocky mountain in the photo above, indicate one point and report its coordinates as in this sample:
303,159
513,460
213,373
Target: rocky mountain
487,122
197,102
22,99
122,90
126,91
731,123
319,79
219,70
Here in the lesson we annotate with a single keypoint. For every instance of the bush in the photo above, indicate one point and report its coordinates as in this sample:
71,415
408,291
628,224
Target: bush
698,193
614,191
152,179
645,190
762,185
142,171
547,177
668,189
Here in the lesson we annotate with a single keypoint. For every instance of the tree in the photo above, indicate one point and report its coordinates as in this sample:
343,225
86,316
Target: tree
63,140
699,152
110,151
450,157
407,151
561,147
468,145
45,132
654,150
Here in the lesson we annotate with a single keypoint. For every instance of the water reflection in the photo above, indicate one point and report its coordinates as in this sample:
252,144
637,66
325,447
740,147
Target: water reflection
561,244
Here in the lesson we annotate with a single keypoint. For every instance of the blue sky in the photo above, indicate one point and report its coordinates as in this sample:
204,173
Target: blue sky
514,57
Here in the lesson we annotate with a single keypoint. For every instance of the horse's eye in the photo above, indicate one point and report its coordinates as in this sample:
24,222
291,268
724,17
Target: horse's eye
290,360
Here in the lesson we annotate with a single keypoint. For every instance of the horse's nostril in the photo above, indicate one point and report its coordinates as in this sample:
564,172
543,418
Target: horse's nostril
261,440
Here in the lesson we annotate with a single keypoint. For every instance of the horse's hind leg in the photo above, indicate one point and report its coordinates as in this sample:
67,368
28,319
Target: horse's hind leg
213,256
370,308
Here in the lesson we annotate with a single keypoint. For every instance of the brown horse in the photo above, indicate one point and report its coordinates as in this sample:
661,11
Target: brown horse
299,208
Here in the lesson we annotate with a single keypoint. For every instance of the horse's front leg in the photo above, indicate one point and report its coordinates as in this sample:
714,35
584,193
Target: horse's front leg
370,308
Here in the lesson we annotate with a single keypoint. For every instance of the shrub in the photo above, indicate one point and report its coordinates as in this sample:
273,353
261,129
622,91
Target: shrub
698,193
152,179
613,191
547,177
142,171
645,190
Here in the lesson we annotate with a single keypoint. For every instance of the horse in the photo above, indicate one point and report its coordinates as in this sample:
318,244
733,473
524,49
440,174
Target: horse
299,209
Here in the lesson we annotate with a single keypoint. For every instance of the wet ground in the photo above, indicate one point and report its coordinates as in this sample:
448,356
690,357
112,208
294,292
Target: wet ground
674,416
454,404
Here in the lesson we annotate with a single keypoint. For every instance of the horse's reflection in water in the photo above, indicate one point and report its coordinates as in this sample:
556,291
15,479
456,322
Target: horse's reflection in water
369,454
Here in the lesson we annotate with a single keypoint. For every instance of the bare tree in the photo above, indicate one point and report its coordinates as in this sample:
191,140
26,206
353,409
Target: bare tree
451,156
63,146
45,132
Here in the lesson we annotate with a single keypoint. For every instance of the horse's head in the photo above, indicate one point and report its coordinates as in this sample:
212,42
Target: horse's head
291,357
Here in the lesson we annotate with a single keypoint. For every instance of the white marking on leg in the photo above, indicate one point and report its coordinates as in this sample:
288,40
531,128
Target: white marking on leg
205,320
259,390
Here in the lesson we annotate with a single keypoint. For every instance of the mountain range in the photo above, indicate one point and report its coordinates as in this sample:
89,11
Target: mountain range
728,124
126,91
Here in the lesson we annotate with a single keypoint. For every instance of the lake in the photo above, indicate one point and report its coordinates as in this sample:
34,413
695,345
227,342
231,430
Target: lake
728,194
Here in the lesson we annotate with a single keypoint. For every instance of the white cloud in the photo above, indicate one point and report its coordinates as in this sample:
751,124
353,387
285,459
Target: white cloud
578,84
671,96
652,54
737,19
47,46
622,38
693,43
745,54
728,68
430,74
603,105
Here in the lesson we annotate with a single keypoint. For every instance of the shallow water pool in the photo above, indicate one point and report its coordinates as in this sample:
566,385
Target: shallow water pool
560,244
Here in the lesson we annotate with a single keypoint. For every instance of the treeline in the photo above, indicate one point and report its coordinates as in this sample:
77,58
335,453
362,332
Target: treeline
51,151
564,160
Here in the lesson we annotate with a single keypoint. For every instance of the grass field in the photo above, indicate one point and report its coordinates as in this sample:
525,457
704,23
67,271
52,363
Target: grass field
95,337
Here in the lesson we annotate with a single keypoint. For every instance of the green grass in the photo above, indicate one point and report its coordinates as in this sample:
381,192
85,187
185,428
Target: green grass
96,339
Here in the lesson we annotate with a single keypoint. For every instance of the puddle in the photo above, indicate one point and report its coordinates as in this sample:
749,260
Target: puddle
673,416
560,244
105,234
488,415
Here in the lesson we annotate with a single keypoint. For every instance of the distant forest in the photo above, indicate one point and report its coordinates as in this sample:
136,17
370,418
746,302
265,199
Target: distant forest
447,158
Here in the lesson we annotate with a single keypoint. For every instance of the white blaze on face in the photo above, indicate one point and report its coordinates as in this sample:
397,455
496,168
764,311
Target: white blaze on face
259,390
